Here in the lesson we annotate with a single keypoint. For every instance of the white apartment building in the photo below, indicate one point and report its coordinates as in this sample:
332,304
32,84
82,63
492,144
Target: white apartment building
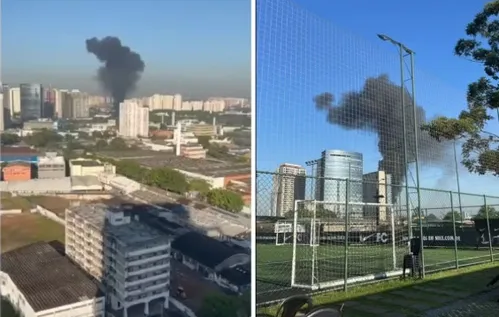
288,185
134,120
131,259
177,102
15,100
2,117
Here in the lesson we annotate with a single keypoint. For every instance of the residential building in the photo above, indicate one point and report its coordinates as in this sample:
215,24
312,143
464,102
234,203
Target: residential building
288,186
15,100
2,114
134,120
86,167
131,259
38,280
51,166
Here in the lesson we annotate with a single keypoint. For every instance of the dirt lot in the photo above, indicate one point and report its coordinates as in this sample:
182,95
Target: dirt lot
22,229
55,204
195,286
15,202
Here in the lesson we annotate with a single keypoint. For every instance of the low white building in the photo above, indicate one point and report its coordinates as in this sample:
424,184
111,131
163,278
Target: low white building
85,167
41,282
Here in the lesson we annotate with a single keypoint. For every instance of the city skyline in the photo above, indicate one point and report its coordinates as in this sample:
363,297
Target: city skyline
215,61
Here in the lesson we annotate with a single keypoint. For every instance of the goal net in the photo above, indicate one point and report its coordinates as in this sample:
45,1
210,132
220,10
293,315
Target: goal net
334,243
305,234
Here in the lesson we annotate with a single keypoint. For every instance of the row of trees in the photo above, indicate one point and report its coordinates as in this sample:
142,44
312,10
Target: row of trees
483,212
222,305
171,180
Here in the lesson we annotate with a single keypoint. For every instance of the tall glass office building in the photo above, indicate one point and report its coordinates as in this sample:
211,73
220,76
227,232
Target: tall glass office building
333,169
31,101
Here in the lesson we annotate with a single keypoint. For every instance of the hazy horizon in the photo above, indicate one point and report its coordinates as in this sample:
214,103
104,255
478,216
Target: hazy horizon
180,56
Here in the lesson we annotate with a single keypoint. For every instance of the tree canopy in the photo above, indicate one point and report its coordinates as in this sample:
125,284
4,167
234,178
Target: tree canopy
225,199
480,147
9,139
482,213
222,305
456,214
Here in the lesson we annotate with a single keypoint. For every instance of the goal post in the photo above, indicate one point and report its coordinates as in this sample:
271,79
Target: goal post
349,242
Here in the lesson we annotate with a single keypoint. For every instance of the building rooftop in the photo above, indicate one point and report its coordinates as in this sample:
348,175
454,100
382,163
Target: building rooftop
129,234
88,163
60,283
239,275
49,159
205,250
17,150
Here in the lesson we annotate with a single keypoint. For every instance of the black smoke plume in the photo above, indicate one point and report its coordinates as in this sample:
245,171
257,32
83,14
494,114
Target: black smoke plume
378,108
121,69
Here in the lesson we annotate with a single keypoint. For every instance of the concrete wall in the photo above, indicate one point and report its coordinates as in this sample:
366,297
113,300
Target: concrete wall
10,212
49,214
9,291
51,173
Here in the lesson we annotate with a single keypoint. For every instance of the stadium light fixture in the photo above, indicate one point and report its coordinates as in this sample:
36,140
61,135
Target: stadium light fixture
404,49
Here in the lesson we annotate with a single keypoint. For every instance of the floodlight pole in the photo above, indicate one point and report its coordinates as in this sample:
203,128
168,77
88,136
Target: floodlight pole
405,51
402,50
456,165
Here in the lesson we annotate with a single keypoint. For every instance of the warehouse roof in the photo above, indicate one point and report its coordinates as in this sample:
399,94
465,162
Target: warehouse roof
238,275
60,283
17,150
203,249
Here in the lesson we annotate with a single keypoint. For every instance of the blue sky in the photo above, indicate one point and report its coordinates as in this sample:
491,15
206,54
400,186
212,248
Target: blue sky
308,47
196,47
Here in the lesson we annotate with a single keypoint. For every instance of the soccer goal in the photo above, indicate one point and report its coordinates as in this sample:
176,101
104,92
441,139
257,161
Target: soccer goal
345,242
285,232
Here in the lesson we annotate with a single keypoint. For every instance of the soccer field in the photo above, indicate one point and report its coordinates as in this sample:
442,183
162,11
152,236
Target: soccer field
274,262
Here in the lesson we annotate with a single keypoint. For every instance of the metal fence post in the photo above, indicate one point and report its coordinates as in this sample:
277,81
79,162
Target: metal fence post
488,227
454,229
347,198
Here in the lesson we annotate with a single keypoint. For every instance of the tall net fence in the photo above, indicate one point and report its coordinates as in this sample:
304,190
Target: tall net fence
311,245
343,160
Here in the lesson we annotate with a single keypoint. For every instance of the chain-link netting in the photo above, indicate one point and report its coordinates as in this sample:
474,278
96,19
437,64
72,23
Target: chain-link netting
346,166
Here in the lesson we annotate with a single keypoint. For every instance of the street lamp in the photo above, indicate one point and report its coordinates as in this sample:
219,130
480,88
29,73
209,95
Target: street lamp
405,51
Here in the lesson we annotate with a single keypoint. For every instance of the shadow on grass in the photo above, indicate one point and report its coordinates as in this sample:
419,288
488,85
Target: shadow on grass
413,297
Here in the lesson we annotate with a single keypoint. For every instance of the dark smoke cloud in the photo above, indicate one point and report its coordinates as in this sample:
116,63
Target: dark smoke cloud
121,67
378,108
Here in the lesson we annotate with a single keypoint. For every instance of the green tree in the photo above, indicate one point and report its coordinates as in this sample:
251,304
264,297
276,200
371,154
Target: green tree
480,150
43,138
482,213
200,186
222,305
225,199
9,139
432,217
101,144
118,144
168,179
204,141
130,169
448,216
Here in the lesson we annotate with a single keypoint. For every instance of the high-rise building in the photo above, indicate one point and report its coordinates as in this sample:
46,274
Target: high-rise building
81,108
2,117
129,258
66,101
336,169
15,100
288,186
31,101
377,188
134,120
177,102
